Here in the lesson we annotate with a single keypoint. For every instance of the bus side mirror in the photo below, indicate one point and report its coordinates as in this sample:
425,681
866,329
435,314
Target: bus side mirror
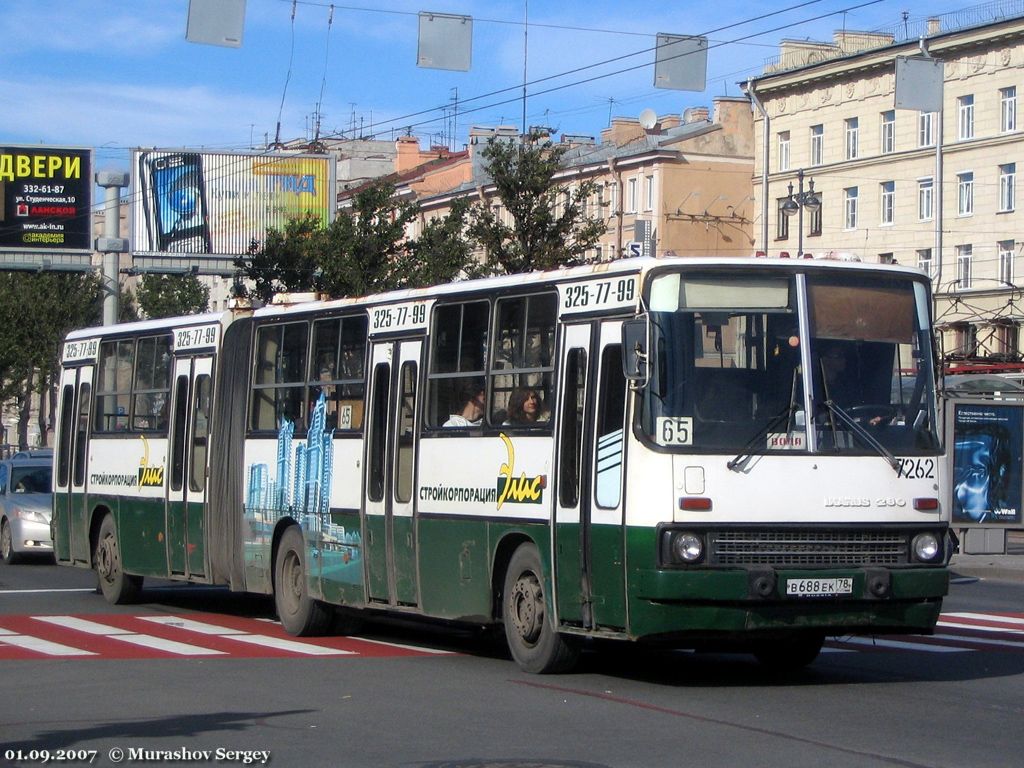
635,343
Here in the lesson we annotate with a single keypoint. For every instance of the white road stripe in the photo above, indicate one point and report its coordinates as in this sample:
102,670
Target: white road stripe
39,645
984,617
43,591
125,636
980,627
418,648
878,642
982,640
281,644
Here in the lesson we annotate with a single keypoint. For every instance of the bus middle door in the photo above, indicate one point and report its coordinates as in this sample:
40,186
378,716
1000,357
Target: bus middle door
188,458
389,469
70,524
589,532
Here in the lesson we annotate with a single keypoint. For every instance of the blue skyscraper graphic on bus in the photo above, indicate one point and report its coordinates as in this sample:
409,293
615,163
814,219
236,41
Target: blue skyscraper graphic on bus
301,487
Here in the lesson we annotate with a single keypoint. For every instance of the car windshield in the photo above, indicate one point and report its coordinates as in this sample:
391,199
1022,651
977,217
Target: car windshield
32,479
728,355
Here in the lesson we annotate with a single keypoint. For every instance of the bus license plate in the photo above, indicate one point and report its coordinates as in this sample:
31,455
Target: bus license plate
819,587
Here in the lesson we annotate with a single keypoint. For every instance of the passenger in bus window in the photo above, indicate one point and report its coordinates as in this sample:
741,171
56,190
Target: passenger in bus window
471,402
525,407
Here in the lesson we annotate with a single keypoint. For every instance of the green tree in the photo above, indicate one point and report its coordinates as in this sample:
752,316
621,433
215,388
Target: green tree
364,250
550,227
366,245
172,295
286,260
443,252
55,303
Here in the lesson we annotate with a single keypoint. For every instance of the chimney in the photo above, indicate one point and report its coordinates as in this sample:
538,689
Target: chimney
408,155
695,115
934,26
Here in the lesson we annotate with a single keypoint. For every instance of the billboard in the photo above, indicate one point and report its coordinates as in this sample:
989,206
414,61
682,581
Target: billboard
988,442
203,209
45,199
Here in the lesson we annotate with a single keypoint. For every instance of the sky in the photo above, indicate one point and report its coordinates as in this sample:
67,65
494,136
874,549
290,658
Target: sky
119,74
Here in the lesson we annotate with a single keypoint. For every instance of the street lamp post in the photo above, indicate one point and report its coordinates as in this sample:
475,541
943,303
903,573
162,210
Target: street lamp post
796,204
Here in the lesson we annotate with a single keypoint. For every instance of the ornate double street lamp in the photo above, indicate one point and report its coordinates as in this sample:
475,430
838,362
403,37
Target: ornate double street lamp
796,204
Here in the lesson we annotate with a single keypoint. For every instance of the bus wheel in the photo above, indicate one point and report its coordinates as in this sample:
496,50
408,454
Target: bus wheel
790,653
300,614
535,645
117,586
7,543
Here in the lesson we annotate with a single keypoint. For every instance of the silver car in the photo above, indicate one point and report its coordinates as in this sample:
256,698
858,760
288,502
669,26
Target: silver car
26,496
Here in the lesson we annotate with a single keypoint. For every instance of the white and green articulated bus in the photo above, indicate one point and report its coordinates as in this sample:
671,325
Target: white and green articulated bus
736,454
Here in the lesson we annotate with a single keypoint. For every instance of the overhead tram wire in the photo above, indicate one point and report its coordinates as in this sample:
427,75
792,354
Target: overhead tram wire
595,78
402,118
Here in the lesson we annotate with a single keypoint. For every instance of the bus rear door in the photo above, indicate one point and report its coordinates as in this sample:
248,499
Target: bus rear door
589,532
71,525
389,520
191,399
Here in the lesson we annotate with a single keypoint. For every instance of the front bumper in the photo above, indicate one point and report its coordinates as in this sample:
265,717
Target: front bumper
28,536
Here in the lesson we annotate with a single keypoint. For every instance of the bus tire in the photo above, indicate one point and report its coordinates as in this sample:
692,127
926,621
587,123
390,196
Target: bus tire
117,586
790,653
300,615
532,639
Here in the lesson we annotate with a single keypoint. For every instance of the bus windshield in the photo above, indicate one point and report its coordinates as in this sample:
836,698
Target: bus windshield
729,353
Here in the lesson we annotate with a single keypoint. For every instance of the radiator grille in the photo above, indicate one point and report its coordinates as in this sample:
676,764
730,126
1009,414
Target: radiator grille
808,548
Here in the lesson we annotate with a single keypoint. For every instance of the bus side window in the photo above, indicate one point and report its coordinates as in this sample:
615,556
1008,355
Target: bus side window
458,356
572,427
337,370
611,410
279,378
523,360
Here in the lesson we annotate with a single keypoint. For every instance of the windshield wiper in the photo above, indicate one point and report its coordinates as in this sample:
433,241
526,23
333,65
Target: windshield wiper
762,433
863,434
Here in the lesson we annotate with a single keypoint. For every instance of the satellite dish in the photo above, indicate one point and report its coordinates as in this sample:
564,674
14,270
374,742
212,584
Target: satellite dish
648,119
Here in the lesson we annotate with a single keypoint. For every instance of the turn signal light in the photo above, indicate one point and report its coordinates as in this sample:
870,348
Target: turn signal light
695,504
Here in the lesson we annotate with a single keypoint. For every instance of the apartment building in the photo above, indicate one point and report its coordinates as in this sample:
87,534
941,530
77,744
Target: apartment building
677,184
931,189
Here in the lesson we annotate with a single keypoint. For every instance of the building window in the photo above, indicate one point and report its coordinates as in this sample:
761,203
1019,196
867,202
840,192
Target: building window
817,144
964,257
926,129
781,220
888,137
886,258
784,151
965,340
924,261
631,196
965,117
925,189
1007,186
965,193
887,191
850,208
814,226
1004,339
1008,109
648,193
1006,261
613,198
852,138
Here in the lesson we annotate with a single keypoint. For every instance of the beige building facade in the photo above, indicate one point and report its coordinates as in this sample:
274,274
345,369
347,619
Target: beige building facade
680,185
932,189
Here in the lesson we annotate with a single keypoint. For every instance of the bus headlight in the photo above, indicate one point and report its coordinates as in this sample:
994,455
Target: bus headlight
927,547
688,547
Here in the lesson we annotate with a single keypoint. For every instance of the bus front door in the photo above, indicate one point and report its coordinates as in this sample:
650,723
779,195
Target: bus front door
589,529
389,519
71,525
188,457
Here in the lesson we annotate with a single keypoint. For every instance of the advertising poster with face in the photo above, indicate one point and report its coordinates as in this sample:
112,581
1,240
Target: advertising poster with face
987,448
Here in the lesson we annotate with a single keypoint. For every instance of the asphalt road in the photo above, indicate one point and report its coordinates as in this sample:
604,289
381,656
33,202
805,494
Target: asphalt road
407,695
